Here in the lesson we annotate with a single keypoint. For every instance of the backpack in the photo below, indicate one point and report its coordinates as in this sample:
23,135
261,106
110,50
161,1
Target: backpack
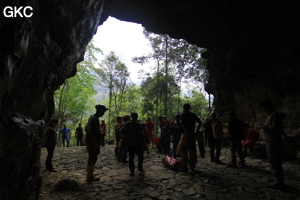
217,129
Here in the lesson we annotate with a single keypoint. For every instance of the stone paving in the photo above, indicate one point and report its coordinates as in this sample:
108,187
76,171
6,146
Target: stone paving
211,181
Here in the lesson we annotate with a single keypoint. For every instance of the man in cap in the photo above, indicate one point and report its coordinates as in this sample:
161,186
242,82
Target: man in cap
93,141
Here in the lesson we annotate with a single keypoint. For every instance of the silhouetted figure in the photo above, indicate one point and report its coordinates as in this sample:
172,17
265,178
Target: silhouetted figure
205,134
123,147
213,130
166,137
273,137
93,141
50,140
176,130
236,135
117,133
79,134
135,141
187,144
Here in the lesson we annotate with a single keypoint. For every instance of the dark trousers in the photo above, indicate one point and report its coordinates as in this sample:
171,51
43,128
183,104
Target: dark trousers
236,147
102,140
122,153
274,151
166,147
200,141
189,154
140,152
92,156
79,141
214,144
50,150
65,139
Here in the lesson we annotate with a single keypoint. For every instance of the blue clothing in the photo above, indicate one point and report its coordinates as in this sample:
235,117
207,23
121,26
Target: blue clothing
64,132
65,136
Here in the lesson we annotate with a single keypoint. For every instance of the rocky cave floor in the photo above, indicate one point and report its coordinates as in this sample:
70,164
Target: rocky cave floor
211,181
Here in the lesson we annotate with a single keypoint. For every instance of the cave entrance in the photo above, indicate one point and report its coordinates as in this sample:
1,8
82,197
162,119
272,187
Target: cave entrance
127,40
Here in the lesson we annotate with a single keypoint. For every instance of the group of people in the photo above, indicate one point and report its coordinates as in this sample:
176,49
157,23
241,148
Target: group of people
133,138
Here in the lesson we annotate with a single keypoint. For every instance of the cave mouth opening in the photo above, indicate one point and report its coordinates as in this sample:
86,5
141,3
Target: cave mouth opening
127,40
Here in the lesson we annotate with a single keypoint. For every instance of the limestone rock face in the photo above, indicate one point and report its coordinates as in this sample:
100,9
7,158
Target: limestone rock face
36,55
252,54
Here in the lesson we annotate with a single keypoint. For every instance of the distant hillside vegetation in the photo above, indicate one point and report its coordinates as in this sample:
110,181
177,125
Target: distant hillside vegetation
102,93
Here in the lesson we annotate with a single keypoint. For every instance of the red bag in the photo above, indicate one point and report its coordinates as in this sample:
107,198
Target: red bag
171,163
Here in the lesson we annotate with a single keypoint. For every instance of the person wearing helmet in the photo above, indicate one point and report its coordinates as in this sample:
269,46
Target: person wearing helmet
93,141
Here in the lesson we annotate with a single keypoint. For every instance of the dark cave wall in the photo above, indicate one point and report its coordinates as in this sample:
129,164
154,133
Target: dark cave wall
241,81
252,53
37,54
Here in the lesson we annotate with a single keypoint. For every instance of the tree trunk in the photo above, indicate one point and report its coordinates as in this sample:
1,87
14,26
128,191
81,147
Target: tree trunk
166,84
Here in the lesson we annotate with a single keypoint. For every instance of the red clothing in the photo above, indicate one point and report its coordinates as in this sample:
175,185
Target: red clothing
252,136
149,127
103,127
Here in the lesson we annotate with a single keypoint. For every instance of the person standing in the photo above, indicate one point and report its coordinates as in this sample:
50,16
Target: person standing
213,130
65,135
236,135
150,128
166,137
187,144
103,131
176,130
79,134
135,140
50,140
273,137
123,148
93,141
117,133
205,135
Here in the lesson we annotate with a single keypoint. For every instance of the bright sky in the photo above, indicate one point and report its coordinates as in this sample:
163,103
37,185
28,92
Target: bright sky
126,39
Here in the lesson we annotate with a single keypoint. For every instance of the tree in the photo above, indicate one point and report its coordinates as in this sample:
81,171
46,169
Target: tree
198,103
180,59
72,97
72,100
113,75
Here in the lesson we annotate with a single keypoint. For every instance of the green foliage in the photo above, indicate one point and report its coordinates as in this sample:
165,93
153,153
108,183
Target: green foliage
71,100
176,61
113,75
